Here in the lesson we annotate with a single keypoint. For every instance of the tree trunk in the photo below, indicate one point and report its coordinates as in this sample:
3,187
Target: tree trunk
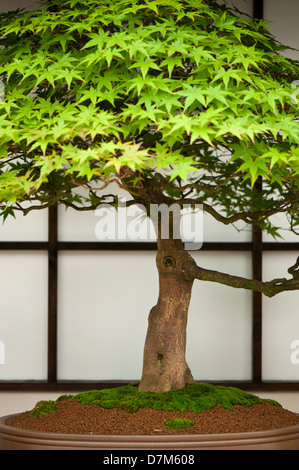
164,363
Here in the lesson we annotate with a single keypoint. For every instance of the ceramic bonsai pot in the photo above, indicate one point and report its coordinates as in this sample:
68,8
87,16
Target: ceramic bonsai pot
19,439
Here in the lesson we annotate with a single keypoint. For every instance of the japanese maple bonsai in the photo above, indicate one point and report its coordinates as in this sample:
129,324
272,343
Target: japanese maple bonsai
178,102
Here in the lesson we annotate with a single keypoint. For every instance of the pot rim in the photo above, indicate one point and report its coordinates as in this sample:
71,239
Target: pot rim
279,433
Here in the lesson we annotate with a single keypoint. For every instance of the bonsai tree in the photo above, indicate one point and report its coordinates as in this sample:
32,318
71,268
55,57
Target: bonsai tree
178,102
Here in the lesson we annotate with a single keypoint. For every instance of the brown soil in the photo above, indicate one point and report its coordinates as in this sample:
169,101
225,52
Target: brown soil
75,418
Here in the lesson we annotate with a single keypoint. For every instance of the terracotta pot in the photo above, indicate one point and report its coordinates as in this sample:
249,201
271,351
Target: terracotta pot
19,439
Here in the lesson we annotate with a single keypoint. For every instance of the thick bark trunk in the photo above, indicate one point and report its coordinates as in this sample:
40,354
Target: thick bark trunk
164,363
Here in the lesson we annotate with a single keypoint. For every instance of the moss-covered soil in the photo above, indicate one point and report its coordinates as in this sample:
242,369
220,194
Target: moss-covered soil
194,397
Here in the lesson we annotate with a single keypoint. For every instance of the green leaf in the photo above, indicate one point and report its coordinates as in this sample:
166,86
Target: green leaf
182,169
119,91
172,62
145,65
193,95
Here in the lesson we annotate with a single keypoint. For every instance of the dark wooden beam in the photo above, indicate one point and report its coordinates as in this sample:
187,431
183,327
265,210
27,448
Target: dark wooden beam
258,9
52,294
257,268
257,258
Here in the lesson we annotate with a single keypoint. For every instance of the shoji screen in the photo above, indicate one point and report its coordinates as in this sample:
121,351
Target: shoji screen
23,314
74,308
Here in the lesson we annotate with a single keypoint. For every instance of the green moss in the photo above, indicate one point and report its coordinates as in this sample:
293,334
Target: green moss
178,423
274,402
64,397
43,408
195,397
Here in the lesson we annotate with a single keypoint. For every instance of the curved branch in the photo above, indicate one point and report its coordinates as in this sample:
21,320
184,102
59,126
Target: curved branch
247,217
294,270
269,288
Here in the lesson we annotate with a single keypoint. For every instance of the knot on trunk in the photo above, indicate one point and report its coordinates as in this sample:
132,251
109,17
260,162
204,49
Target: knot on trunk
169,262
176,264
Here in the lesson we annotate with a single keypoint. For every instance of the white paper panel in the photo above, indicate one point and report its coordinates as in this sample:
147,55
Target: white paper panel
283,22
23,315
76,226
104,301
81,225
32,227
280,323
219,327
214,231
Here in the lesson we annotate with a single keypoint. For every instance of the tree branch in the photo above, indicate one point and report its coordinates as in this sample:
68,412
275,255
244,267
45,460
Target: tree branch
247,217
269,288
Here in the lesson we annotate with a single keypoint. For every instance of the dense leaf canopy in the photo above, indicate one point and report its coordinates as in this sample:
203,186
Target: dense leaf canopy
176,100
